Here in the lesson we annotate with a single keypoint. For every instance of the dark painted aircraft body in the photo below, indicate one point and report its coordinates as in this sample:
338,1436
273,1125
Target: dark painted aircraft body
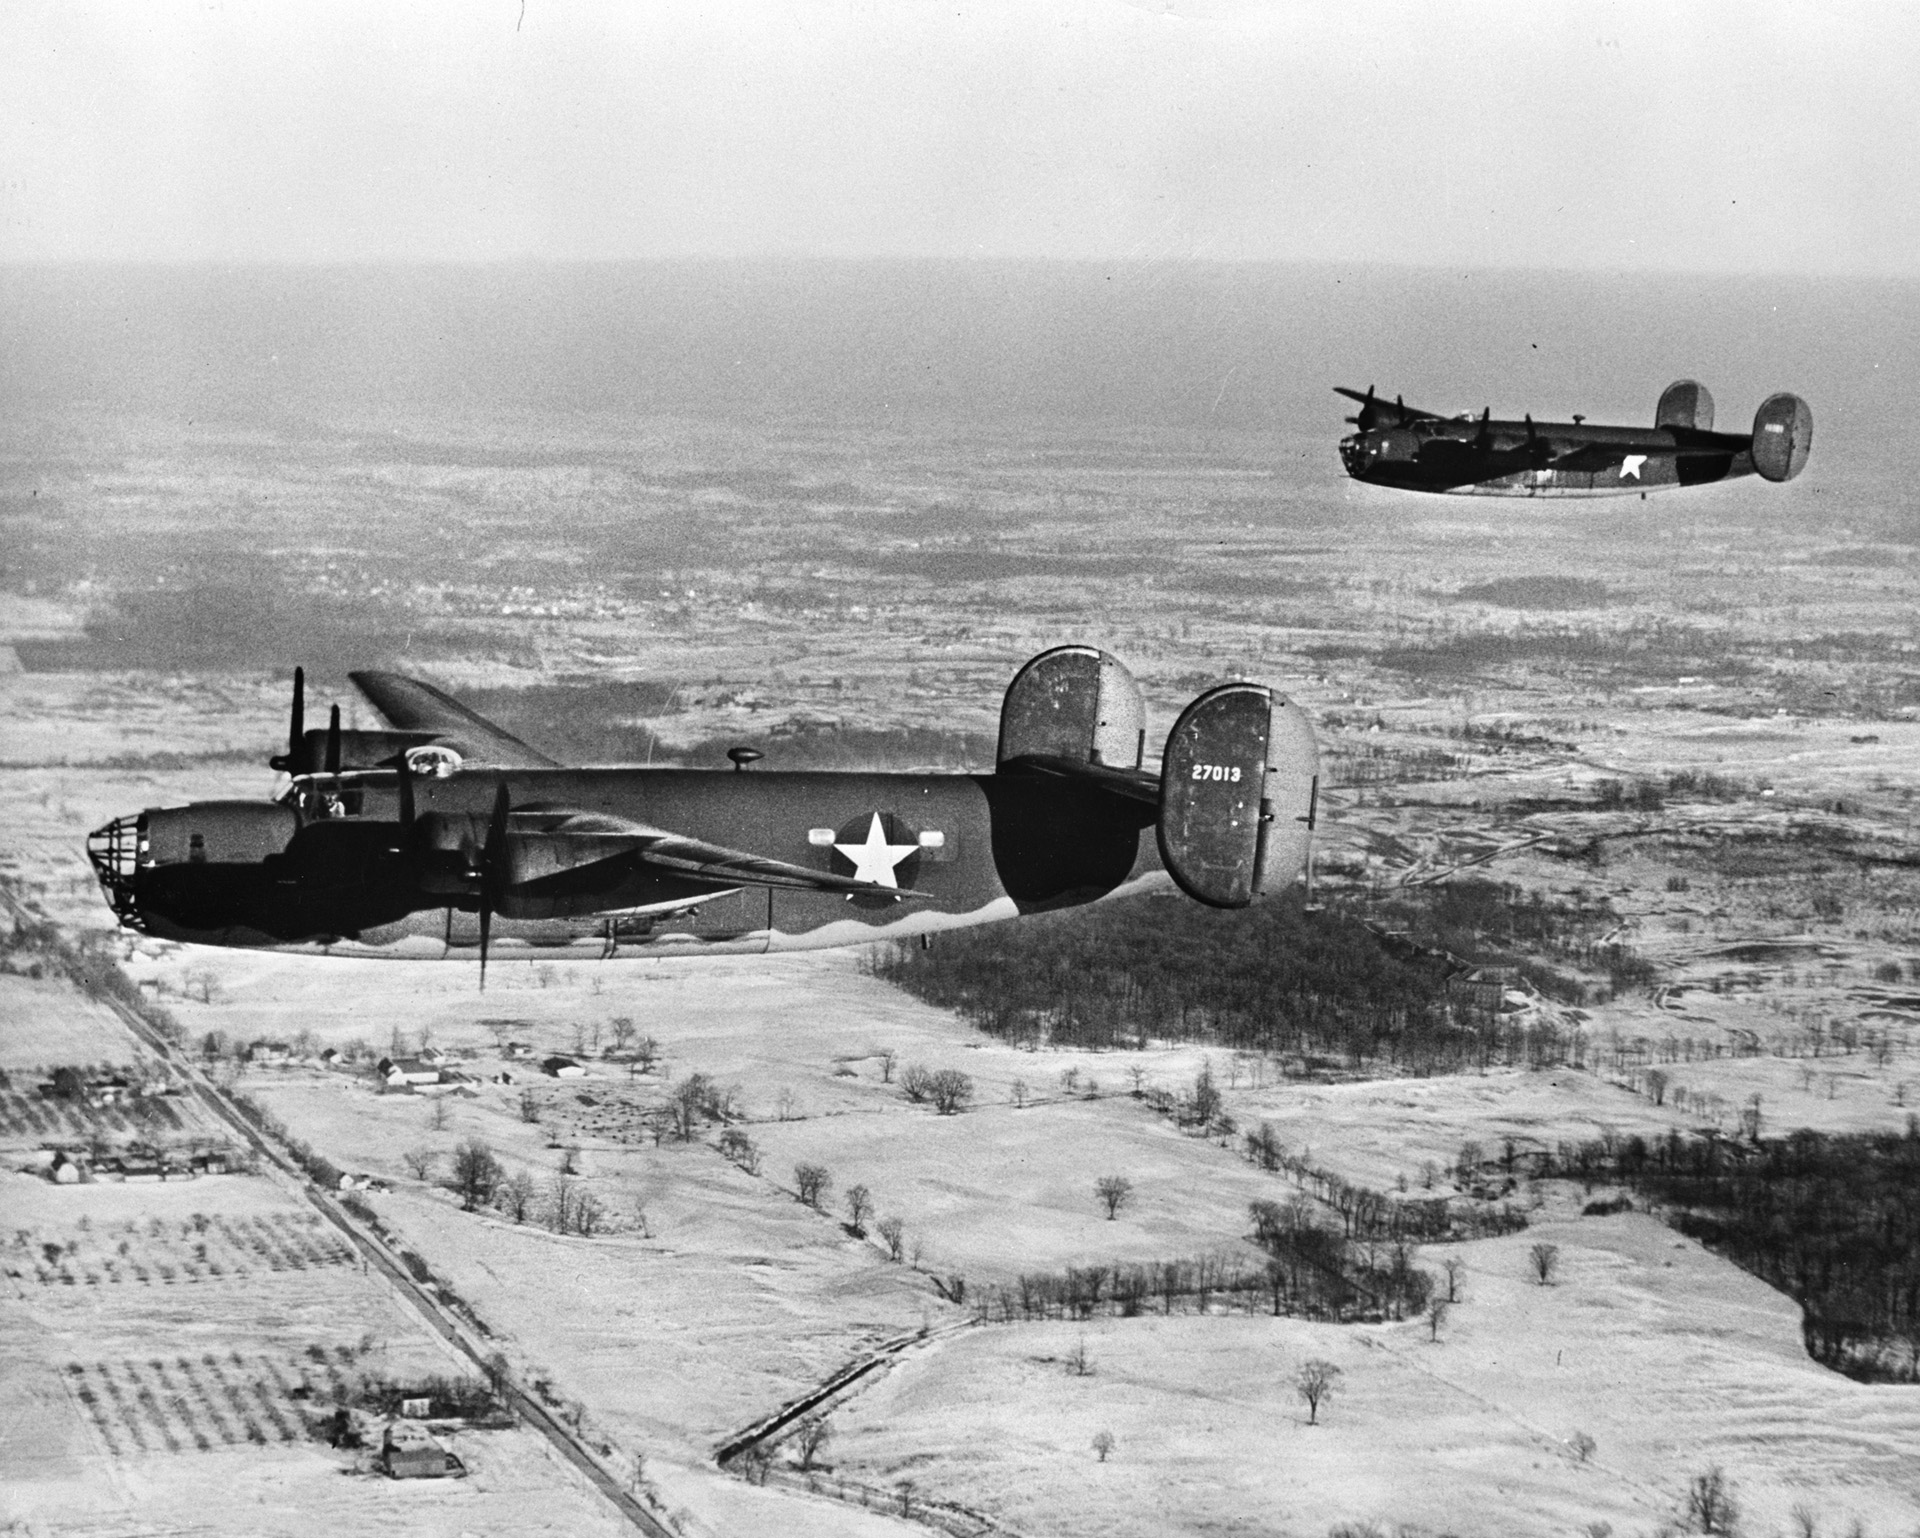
444,836
1413,450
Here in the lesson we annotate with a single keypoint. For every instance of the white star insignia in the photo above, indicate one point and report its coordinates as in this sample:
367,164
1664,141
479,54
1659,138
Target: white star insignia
1630,466
875,859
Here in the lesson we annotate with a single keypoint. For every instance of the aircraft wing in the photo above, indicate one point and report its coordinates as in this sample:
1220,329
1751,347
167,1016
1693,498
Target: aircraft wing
412,706
1394,412
569,839
1590,458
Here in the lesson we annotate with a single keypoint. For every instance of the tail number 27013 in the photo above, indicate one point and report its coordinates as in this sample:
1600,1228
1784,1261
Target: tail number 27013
1227,772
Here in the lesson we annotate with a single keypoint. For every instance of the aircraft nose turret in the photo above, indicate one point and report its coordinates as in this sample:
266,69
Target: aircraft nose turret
169,861
116,852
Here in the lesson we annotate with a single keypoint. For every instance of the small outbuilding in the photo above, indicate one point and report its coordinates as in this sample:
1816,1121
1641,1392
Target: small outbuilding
558,1067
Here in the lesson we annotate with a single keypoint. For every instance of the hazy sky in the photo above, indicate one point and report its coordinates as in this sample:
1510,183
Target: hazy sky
1748,137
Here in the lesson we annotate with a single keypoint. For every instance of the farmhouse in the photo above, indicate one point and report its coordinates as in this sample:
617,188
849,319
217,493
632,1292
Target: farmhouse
562,1068
410,1452
265,1051
403,1073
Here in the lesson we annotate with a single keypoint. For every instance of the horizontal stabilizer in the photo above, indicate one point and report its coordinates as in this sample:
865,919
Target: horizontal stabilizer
1134,784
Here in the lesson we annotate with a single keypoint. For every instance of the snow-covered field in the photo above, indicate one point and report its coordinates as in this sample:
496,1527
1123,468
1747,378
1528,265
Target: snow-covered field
1667,1358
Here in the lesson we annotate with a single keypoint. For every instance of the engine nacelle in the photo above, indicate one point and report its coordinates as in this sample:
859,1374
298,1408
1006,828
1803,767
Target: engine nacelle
1782,437
1685,403
1074,702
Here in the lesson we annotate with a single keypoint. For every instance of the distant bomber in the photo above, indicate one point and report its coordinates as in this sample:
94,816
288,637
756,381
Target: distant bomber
1401,446
444,836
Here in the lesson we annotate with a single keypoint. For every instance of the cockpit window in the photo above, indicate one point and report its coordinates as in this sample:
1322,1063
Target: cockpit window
324,800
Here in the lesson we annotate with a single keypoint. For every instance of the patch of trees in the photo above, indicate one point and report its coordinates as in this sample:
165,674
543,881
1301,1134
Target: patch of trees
1306,1269
1319,988
1829,1219
1366,1214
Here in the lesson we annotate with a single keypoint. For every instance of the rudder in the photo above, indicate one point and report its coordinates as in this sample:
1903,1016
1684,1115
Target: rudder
1684,403
1074,702
1238,787
1782,437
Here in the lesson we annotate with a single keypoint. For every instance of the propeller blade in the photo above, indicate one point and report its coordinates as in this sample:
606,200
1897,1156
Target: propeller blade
289,761
406,792
493,865
333,741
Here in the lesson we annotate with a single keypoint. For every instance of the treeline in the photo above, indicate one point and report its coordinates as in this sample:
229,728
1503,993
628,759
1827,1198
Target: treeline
1319,988
1829,1219
1308,1271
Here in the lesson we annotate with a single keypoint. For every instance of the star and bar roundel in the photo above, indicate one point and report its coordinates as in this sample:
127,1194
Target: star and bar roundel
877,847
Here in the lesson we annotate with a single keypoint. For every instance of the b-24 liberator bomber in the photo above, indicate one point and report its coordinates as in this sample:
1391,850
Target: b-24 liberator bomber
1413,450
446,836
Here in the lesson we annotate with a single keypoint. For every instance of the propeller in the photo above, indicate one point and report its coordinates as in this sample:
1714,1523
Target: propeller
493,872
289,761
406,792
1368,413
1538,451
333,741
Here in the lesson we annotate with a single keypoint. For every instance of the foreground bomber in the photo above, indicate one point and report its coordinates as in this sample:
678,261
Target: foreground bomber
446,836
1413,450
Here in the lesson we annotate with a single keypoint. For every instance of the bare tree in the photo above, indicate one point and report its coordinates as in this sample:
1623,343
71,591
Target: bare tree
1453,1266
1436,1316
812,1182
889,1059
810,1437
1581,1446
1078,1362
894,1233
784,1106
692,1098
1805,1523
640,1224
1114,1191
1316,1382
916,1083
439,1117
476,1173
1103,1445
529,1106
515,1196
420,1162
589,1214
1657,1085
623,1030
1017,1093
738,1147
859,1202
1545,1260
563,1195
950,1090
1711,1507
